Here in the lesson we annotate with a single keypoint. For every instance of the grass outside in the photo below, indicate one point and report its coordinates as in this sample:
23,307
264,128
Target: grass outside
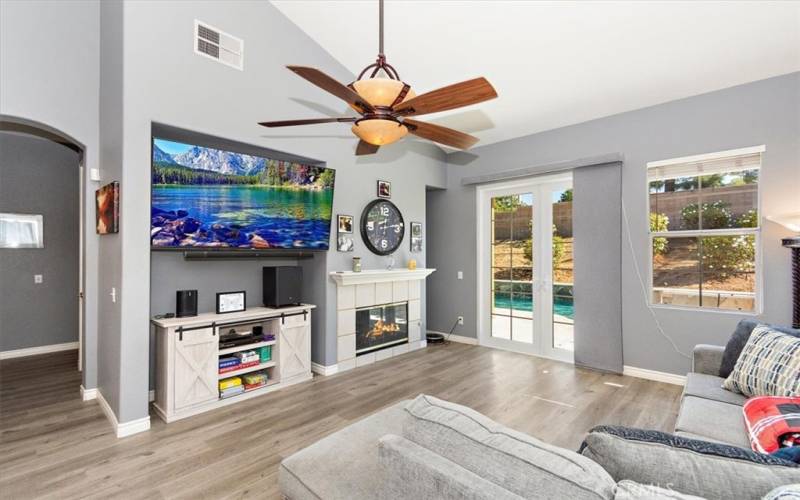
510,262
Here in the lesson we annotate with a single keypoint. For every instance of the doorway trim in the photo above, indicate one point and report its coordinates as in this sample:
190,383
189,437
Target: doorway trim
482,196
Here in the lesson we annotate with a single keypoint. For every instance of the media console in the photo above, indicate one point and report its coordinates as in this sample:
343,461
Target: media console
188,352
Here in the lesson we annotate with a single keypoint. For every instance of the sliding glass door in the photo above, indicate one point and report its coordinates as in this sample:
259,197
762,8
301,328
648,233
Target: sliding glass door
525,270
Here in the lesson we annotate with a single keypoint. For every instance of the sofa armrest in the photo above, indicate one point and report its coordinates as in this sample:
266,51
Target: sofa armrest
414,472
707,359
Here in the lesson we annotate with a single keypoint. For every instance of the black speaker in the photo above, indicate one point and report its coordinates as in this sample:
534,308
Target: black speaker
282,285
186,303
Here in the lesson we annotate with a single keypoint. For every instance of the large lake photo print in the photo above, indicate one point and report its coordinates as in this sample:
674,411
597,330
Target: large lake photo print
211,198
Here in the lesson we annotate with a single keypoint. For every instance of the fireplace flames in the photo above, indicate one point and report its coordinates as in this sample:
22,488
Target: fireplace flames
380,328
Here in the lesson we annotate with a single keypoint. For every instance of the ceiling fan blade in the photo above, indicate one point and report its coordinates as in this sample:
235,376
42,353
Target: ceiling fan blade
442,135
310,121
450,97
330,85
365,148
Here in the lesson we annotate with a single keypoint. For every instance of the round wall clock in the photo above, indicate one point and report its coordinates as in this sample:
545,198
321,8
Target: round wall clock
382,227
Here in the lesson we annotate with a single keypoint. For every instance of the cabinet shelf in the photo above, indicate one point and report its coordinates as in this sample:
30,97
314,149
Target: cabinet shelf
245,347
254,368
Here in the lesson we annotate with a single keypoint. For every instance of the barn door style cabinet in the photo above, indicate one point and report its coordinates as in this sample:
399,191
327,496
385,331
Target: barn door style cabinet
188,353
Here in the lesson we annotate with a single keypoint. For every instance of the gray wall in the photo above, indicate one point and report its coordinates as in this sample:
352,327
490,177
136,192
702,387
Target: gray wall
165,82
54,84
38,176
765,112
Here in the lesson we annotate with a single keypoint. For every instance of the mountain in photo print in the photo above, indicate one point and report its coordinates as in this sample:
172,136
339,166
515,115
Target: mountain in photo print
211,198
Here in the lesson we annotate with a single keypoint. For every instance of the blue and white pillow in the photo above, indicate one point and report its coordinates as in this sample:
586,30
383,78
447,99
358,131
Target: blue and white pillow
768,366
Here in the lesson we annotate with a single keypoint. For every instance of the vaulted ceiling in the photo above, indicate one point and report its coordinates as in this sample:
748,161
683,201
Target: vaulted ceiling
559,63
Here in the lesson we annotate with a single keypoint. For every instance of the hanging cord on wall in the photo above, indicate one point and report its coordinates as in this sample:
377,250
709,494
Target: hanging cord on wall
644,287
451,331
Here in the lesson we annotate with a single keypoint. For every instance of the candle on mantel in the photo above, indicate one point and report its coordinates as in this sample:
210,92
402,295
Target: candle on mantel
412,264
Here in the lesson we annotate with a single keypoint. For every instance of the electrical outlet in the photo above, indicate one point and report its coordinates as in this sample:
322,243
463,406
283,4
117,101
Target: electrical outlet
461,320
461,275
38,278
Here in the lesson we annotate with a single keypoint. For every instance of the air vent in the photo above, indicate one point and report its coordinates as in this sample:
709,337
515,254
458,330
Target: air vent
218,45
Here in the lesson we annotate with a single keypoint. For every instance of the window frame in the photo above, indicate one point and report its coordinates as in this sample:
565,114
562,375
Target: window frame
699,233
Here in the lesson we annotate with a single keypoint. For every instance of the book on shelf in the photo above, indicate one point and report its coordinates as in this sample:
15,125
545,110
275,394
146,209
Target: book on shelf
233,391
229,382
229,361
239,366
248,387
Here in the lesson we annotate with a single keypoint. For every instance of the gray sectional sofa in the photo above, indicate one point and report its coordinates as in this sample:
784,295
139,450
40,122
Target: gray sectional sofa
429,449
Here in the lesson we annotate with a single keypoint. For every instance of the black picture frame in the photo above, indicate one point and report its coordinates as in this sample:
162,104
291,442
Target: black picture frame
243,293
385,193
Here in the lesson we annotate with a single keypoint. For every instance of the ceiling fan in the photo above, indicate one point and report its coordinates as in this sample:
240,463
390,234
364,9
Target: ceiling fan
386,102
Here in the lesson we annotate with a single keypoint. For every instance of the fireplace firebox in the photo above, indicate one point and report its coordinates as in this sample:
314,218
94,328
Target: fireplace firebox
382,326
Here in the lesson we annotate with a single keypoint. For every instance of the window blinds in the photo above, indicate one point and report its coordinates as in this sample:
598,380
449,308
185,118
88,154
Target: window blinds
673,169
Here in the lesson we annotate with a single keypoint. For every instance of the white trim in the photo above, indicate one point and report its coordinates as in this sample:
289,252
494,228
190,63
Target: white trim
123,429
708,156
344,278
669,378
461,339
33,351
151,396
324,370
88,394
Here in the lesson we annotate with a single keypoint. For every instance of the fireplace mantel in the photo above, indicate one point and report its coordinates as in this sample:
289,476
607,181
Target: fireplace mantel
344,278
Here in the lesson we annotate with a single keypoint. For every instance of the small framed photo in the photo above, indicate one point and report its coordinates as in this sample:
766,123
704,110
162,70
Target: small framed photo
107,208
344,243
416,236
384,189
346,224
228,302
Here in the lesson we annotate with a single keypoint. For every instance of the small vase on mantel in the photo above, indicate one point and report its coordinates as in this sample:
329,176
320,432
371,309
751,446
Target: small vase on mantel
412,264
356,264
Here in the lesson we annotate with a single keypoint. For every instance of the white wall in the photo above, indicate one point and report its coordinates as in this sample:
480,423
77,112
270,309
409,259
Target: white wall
49,76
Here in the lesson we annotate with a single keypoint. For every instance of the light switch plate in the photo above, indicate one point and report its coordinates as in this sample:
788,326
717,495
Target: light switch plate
461,275
38,278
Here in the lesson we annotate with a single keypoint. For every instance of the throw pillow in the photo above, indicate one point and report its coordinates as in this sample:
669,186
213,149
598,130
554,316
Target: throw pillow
768,366
769,420
739,338
786,492
691,466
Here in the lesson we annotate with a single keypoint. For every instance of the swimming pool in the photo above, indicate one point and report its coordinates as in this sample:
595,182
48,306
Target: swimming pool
562,307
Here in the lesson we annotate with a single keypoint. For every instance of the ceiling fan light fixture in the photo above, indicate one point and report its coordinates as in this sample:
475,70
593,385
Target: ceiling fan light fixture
381,91
378,131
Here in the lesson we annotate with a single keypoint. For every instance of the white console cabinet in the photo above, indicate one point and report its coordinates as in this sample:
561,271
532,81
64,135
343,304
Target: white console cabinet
188,352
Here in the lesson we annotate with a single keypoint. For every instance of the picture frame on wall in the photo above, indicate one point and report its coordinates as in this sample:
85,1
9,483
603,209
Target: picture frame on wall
416,236
107,208
384,189
344,238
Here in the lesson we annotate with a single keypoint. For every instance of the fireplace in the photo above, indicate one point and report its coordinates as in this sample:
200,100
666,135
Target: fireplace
381,326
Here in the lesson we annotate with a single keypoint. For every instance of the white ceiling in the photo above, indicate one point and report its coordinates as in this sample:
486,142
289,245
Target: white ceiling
559,63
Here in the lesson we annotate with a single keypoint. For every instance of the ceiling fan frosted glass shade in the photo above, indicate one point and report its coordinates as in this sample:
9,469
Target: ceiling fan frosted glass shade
379,132
380,91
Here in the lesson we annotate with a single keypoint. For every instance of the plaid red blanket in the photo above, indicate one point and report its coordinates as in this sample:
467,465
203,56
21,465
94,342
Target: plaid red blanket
772,422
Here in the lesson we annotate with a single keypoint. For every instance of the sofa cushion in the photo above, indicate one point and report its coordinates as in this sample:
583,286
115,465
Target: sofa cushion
413,472
710,387
713,420
768,366
518,462
738,340
630,490
343,465
786,492
690,466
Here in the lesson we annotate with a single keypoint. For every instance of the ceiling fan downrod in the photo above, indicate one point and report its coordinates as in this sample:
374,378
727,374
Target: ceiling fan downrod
380,63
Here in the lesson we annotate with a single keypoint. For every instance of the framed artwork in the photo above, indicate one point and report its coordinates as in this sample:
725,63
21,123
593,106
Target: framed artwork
228,302
344,238
384,189
107,208
416,236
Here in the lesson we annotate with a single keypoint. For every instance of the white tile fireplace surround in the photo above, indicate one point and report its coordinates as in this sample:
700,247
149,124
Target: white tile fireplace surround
375,287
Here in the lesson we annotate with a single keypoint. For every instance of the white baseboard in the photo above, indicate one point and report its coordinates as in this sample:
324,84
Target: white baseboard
669,378
324,370
33,351
88,394
123,429
457,338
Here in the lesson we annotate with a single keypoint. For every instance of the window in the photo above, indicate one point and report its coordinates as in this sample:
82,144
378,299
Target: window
704,230
21,231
